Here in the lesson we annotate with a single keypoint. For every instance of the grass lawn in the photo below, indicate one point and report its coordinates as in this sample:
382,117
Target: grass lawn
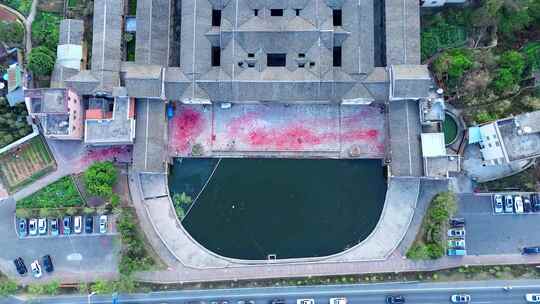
59,194
72,3
25,164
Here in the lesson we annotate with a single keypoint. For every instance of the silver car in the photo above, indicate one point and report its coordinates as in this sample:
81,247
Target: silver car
103,224
498,203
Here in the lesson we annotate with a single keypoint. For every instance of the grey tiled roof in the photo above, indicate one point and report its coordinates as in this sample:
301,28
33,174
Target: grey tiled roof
402,32
410,82
153,32
71,32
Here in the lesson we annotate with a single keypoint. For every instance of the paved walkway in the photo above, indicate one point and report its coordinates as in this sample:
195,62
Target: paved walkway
281,130
473,166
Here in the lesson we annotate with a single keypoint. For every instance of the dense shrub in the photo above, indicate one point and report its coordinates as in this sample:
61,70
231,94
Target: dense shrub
430,244
59,194
134,254
12,33
7,287
99,179
13,124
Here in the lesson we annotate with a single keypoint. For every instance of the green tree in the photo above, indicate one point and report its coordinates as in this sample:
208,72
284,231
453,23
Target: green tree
453,64
514,61
41,61
504,81
99,179
531,52
45,30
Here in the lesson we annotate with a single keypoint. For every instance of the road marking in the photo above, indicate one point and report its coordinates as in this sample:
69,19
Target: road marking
146,133
74,257
408,136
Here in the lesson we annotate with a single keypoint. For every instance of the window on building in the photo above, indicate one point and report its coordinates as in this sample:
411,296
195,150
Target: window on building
216,56
251,55
312,64
276,12
216,17
276,60
301,65
336,17
301,55
297,12
251,64
256,12
337,56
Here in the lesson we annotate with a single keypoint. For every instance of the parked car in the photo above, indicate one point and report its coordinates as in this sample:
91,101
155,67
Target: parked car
42,226
305,301
532,297
54,226
457,222
32,227
245,302
23,228
498,203
338,300
47,263
518,204
89,224
66,225
456,252
531,250
277,301
19,264
36,269
460,298
535,201
77,224
456,244
395,299
527,206
508,204
459,233
103,224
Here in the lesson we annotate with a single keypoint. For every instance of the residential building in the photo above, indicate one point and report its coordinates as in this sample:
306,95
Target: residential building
509,139
58,111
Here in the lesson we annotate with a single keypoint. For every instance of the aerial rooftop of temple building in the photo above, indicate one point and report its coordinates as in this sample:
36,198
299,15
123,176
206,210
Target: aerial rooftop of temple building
252,51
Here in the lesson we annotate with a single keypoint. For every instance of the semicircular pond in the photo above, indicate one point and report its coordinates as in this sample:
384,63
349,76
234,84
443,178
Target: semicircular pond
289,208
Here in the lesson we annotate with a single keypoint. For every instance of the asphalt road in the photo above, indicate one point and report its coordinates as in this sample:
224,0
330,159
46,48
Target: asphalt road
482,292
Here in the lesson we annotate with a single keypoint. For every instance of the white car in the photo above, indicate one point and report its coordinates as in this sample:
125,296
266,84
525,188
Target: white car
338,300
458,233
499,206
103,224
36,269
532,297
77,224
305,301
518,204
460,298
42,226
32,227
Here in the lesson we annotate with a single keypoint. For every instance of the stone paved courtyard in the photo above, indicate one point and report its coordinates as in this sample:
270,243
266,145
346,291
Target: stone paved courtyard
332,130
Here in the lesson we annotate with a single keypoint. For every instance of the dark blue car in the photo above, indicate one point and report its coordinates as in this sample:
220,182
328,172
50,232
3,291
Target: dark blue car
23,228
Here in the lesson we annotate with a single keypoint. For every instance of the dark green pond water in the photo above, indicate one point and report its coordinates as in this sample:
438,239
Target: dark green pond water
450,129
291,208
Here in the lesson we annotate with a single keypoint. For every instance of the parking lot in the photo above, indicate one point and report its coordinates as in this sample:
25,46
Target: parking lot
75,227
75,257
489,233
